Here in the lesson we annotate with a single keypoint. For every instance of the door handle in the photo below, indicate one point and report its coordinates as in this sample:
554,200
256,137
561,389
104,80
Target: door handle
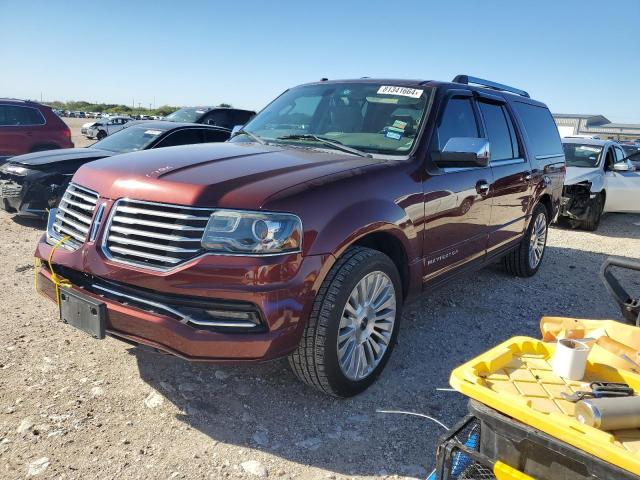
482,187
527,177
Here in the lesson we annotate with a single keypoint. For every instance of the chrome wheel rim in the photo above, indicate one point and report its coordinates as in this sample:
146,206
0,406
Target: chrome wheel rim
366,325
538,240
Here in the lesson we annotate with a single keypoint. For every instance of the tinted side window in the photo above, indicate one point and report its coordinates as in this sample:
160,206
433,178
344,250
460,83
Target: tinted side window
458,120
181,137
215,136
219,118
240,118
497,123
541,129
13,115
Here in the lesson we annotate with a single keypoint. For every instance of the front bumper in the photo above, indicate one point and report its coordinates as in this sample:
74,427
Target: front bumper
282,290
26,198
576,202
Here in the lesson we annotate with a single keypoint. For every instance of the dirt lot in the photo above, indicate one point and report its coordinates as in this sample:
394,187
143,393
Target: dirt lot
73,407
77,138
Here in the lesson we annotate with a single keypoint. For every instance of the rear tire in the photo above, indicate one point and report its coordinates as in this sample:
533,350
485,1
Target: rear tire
595,214
337,329
526,259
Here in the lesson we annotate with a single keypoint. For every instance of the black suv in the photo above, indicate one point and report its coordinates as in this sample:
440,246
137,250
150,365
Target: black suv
225,117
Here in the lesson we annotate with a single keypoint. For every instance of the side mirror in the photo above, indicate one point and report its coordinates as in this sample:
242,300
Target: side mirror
236,129
464,152
621,167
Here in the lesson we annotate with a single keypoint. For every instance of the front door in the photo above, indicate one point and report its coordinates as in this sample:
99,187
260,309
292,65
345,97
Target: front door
622,187
457,202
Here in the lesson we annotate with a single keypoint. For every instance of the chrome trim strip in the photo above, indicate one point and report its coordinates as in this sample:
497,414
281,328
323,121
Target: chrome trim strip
76,215
81,228
83,206
508,161
157,213
150,256
150,223
162,236
545,157
183,318
155,246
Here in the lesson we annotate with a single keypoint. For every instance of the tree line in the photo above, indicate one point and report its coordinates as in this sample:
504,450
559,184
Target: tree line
112,108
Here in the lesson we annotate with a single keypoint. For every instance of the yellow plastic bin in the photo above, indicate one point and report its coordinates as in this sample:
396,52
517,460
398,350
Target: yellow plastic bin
515,378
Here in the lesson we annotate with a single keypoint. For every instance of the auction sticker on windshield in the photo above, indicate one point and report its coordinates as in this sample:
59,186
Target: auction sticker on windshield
403,91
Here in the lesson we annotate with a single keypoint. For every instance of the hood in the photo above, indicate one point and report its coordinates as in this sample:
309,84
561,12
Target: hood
231,175
89,124
49,157
579,174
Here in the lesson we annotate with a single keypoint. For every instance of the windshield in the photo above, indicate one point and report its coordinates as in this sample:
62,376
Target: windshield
586,156
129,139
369,117
189,115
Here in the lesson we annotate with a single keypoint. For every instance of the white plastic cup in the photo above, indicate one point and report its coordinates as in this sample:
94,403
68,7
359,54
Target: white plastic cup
570,359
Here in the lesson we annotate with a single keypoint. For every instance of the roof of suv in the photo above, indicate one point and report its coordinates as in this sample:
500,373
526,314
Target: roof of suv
417,83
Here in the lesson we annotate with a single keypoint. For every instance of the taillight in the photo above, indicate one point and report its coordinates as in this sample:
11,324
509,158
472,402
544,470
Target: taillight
67,133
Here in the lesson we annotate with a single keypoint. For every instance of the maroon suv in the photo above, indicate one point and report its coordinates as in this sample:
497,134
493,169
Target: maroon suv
308,231
30,127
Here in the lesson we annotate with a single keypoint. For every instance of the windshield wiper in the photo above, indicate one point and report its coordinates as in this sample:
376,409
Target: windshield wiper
253,136
332,143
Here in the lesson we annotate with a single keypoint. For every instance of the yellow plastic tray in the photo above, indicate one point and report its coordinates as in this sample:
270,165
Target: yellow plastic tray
516,379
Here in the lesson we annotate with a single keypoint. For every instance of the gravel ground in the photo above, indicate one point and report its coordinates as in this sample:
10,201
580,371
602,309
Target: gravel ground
73,407
77,138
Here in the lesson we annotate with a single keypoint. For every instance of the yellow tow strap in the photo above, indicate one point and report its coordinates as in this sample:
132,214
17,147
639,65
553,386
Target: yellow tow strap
57,281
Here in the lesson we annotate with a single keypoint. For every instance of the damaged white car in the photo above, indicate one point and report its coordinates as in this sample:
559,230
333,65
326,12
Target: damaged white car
600,178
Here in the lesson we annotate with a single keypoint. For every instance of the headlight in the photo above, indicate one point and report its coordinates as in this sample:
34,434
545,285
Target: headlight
15,170
242,232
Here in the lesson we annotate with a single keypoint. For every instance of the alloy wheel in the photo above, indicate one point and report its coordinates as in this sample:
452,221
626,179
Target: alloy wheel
366,325
538,240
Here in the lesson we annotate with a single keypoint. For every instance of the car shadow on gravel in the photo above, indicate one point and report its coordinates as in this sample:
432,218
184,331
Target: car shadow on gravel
613,225
265,408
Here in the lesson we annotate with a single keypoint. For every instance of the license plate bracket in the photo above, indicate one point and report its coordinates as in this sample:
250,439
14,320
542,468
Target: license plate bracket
83,313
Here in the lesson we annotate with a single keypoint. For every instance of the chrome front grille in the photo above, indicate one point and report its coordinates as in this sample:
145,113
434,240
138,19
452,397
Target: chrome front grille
154,235
75,213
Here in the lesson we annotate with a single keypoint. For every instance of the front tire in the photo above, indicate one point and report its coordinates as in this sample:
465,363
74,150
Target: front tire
526,259
595,214
101,135
353,324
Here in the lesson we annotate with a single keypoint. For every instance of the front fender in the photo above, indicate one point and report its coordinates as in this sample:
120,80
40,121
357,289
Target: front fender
355,221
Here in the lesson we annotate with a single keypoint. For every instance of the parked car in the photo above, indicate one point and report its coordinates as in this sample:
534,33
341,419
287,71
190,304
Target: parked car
32,184
307,232
106,127
219,116
600,178
84,130
30,127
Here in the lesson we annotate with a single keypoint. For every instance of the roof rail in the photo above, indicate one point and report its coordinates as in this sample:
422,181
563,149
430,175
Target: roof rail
466,79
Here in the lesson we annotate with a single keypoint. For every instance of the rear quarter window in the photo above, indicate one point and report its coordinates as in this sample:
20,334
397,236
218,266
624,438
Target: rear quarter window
540,128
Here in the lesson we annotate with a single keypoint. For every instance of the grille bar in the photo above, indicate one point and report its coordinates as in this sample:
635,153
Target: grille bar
154,235
75,213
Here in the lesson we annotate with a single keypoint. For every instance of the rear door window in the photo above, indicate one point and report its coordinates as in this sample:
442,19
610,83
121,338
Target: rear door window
215,136
500,131
458,120
540,128
14,115
219,118
182,137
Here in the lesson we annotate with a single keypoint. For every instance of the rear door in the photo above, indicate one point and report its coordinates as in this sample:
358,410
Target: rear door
19,129
622,188
511,191
457,205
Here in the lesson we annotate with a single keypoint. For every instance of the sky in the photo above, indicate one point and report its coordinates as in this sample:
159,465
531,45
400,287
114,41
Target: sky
576,56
